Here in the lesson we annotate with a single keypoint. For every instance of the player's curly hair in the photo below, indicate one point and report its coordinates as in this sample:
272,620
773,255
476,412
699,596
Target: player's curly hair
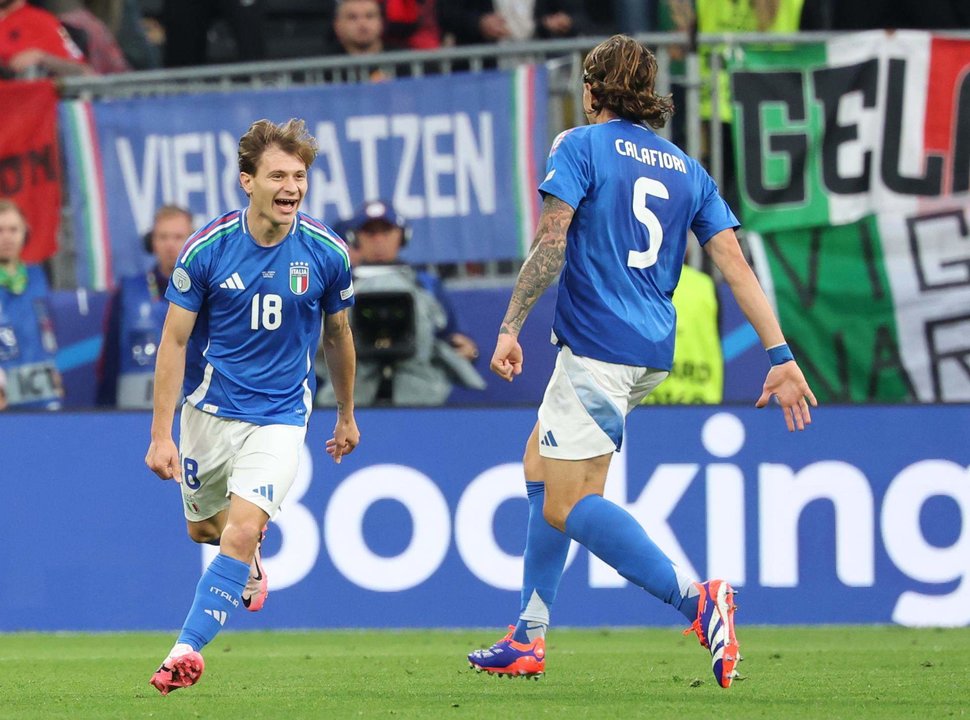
621,74
292,137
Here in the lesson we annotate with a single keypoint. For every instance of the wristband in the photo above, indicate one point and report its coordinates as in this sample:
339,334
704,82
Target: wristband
780,354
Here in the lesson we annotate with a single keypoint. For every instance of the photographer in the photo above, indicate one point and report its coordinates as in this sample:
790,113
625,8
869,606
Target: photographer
409,351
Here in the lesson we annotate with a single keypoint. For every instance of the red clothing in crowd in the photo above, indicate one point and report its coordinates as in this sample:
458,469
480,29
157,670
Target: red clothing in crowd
29,28
410,24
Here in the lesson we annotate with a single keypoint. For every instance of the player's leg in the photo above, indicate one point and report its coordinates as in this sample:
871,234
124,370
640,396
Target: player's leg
576,468
264,464
522,651
546,549
582,414
206,446
263,472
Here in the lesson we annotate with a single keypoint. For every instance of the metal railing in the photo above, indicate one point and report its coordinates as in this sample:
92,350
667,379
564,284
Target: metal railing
701,137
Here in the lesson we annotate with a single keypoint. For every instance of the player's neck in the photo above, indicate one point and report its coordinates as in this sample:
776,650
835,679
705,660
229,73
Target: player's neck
602,116
265,232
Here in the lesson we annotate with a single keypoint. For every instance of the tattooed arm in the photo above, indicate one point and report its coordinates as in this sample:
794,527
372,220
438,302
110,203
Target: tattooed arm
538,272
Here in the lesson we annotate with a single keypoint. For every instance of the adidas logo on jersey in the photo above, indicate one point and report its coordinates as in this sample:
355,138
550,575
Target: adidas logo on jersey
233,282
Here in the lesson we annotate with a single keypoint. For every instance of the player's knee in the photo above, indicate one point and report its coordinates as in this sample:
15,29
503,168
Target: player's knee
555,513
239,541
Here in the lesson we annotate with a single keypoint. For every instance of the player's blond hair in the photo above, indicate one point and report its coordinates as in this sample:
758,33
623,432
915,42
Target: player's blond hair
292,137
622,74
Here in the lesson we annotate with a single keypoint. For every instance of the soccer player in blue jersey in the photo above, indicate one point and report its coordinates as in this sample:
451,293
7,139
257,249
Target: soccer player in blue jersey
246,300
618,202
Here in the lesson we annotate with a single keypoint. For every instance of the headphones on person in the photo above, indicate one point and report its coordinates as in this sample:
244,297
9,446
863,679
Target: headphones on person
376,210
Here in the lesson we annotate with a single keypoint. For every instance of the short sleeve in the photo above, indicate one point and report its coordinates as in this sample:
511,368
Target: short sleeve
339,293
713,214
189,283
568,168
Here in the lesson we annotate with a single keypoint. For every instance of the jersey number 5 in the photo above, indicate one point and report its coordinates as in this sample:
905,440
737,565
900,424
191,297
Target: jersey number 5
643,188
267,312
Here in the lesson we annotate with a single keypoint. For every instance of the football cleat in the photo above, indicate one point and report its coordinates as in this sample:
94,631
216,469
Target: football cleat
178,672
511,659
715,628
257,586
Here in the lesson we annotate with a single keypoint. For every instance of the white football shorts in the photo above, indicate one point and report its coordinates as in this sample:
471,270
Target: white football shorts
586,402
221,456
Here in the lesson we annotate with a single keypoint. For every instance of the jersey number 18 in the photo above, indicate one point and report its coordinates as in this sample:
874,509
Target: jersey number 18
643,188
267,312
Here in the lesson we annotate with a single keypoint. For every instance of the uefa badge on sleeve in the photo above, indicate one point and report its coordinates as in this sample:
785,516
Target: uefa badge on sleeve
299,277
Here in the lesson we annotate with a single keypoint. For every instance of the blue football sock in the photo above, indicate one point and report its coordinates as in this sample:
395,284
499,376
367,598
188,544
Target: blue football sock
616,538
545,558
216,596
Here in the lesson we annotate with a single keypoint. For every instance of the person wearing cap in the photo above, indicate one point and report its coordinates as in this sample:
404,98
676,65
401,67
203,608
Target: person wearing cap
409,348
378,234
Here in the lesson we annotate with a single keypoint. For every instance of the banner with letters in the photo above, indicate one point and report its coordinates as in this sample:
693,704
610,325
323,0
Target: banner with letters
459,156
30,168
424,524
854,162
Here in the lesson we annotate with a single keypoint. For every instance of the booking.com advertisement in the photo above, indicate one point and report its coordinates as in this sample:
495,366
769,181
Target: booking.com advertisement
862,518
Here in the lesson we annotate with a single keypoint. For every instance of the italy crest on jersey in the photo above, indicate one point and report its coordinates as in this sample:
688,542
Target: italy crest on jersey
299,277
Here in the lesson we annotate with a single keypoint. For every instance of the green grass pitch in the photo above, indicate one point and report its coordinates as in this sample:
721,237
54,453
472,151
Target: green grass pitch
819,672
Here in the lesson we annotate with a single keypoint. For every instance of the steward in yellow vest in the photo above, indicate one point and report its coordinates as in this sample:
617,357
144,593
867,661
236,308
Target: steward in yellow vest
697,376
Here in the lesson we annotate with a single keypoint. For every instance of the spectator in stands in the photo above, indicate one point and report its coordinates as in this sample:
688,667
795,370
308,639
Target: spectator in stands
27,343
471,22
136,314
358,27
409,348
102,51
129,25
411,25
33,43
187,24
715,16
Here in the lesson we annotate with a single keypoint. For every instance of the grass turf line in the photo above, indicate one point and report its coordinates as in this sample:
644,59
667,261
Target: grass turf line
791,672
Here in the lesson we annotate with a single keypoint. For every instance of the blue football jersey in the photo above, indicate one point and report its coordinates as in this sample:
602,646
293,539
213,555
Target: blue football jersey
250,356
635,196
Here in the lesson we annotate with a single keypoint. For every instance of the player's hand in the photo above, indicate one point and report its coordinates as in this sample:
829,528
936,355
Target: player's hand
163,460
345,438
787,384
507,358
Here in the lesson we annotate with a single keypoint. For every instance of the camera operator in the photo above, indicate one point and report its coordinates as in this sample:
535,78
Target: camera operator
409,351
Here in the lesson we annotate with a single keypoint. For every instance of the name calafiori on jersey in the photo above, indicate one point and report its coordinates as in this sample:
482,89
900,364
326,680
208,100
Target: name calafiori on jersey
649,156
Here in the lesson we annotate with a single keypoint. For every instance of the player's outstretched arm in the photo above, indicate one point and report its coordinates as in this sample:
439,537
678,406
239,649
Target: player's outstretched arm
538,272
338,349
785,380
163,455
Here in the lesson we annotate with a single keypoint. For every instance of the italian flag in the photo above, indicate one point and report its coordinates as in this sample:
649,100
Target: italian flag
854,177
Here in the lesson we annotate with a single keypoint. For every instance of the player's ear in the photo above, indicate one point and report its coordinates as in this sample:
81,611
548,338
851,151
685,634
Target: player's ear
246,182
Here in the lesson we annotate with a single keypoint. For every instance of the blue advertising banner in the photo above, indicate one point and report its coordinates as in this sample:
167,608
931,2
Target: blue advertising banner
864,518
460,156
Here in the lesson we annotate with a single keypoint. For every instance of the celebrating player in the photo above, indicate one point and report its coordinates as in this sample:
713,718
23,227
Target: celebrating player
618,201
246,299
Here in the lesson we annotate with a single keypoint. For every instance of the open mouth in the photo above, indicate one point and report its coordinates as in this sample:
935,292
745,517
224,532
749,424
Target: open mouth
285,204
